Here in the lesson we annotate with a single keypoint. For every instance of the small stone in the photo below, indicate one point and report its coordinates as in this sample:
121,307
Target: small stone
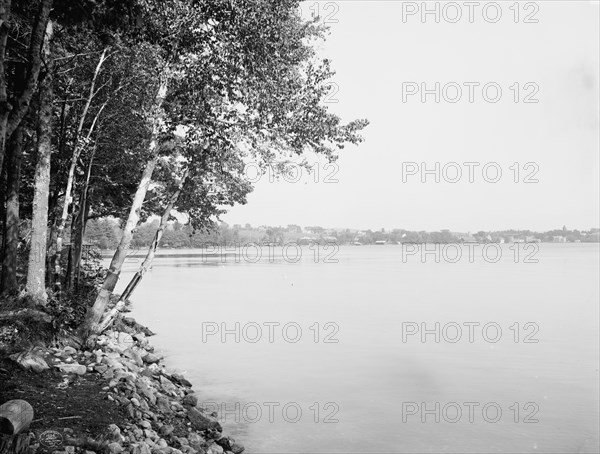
237,448
115,448
196,441
163,404
75,368
151,358
69,449
190,400
135,402
69,350
149,433
183,441
101,368
114,433
145,424
214,449
166,430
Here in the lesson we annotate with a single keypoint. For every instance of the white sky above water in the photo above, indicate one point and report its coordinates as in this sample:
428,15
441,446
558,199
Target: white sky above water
374,52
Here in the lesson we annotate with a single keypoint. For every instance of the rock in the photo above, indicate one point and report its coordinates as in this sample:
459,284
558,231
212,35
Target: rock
166,430
101,368
74,368
178,378
69,350
163,404
114,433
69,449
202,422
149,433
133,355
196,441
161,443
237,448
135,402
151,358
167,386
224,443
115,448
141,448
190,400
214,449
144,389
183,441
145,424
31,360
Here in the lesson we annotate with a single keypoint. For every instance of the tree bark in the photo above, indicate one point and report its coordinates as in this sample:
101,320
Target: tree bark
11,232
114,270
36,271
79,145
21,104
5,106
78,230
147,263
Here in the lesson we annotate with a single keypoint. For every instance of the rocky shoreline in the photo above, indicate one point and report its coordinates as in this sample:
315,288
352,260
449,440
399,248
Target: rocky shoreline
159,411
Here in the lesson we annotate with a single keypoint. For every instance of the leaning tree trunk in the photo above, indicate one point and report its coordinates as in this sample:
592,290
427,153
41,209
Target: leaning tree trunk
36,270
114,270
11,232
147,263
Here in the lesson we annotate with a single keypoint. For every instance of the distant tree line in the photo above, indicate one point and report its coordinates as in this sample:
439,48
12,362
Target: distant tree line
104,233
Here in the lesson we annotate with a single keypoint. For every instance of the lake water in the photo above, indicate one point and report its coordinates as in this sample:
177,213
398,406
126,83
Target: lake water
531,387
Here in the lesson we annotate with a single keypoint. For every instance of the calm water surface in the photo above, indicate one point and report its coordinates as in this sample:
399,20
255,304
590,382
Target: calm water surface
370,391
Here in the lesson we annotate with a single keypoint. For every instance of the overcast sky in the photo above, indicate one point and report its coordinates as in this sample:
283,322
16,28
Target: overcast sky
382,53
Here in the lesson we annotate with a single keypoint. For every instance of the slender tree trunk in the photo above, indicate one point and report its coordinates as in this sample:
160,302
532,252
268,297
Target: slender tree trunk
5,106
147,263
36,270
9,262
114,270
78,229
79,145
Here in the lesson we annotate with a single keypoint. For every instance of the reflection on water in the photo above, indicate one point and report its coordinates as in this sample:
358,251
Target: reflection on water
369,391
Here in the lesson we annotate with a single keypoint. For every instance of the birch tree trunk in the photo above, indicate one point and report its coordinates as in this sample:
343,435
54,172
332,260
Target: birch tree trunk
36,270
97,311
79,145
147,263
78,229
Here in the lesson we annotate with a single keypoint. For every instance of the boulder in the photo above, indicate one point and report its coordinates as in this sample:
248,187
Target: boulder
32,360
200,421
178,378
